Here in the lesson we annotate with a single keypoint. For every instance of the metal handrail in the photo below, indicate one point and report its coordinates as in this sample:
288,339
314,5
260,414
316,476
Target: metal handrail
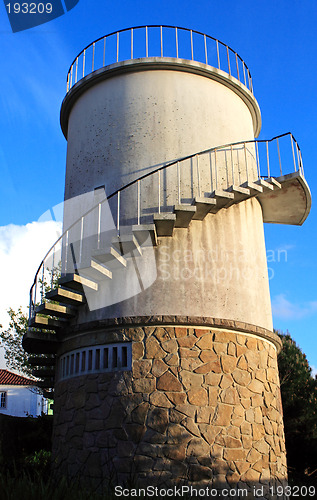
200,47
296,159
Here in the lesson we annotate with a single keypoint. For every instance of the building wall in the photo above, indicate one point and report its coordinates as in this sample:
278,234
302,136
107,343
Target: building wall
201,406
216,267
117,127
23,401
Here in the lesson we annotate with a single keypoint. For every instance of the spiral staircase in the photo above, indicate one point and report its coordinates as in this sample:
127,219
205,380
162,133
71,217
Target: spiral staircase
60,305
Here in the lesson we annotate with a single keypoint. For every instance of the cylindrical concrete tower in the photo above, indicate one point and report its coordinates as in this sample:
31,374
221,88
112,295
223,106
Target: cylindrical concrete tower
166,357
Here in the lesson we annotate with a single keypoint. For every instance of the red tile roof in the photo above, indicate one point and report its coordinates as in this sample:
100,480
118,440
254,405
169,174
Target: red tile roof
9,378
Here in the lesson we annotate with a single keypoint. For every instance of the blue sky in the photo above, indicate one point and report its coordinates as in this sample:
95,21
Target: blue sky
279,44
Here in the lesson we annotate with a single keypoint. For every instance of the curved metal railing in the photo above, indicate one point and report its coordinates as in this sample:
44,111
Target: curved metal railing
215,168
158,41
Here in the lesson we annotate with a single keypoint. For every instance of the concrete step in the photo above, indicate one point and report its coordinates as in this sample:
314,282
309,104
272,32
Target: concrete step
274,182
164,223
40,342
145,234
184,214
41,361
76,282
94,269
46,323
223,198
126,244
204,206
254,188
240,193
265,185
66,296
59,310
110,257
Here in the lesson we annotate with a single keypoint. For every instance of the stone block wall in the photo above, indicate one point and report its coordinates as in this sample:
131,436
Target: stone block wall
201,406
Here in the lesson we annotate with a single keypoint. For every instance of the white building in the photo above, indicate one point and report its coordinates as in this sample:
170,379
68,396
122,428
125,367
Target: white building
19,396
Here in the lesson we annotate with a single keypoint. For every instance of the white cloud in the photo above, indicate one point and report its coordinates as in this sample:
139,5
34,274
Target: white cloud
22,248
284,309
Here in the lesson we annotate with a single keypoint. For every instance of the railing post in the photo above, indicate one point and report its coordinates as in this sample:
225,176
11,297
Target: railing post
251,84
268,158
301,163
293,152
245,80
42,285
232,165
81,238
238,164
138,186
146,42
99,225
246,161
206,55
52,276
298,162
218,56
84,57
249,79
210,167
159,191
71,77
237,63
198,175
178,183
35,291
216,174
117,46
228,60
131,43
66,250
76,71
30,304
93,57
192,44
279,155
118,214
161,37
257,159
104,52
227,170
176,42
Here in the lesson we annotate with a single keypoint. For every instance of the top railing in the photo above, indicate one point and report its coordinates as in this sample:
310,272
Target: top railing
158,41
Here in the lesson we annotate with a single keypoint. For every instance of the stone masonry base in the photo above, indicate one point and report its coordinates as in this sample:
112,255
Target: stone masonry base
200,407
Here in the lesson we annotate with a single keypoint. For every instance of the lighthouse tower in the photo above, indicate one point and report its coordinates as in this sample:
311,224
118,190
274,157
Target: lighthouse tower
159,333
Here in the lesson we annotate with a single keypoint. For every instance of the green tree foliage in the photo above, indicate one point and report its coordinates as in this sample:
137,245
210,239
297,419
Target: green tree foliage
11,339
299,397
